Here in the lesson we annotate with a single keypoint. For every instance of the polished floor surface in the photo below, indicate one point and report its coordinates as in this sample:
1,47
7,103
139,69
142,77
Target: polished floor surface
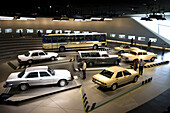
71,102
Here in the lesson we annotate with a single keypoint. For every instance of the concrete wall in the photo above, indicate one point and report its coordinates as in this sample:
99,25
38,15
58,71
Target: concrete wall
117,26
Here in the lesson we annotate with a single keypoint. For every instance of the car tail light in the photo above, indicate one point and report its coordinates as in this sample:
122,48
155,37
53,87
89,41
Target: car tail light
103,83
94,79
69,78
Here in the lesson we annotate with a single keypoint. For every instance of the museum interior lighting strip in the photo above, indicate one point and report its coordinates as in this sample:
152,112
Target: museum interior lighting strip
143,45
6,18
25,18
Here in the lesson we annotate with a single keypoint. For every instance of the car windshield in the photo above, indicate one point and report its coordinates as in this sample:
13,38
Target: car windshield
27,54
21,74
133,53
107,73
51,71
126,46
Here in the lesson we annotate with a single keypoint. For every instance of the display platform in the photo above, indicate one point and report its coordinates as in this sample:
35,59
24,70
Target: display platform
37,92
89,106
152,64
15,65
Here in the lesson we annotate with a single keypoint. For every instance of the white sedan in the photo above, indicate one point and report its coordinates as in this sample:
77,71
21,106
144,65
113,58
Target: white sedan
40,75
35,55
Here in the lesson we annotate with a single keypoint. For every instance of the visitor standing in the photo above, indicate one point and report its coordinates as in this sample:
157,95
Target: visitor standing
149,45
135,64
84,69
163,49
131,42
141,65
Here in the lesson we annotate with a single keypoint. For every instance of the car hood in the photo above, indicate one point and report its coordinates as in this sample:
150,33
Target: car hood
101,78
117,48
21,56
13,76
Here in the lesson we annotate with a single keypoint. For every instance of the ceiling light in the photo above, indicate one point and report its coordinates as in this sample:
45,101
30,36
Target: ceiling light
107,18
96,18
6,18
25,18
87,20
78,19
56,19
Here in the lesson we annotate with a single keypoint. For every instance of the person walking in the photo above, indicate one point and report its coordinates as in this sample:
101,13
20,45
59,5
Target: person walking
84,69
141,65
135,64
163,49
149,45
131,42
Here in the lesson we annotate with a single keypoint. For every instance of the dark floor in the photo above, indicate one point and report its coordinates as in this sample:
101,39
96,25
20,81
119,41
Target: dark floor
157,105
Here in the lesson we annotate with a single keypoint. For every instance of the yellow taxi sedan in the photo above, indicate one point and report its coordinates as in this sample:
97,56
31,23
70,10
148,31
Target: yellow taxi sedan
114,76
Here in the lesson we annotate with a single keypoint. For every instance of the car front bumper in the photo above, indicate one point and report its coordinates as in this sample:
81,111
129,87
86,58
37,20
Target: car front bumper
8,85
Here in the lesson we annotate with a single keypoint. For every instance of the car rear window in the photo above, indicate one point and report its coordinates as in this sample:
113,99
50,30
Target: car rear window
107,73
27,54
51,71
126,73
21,74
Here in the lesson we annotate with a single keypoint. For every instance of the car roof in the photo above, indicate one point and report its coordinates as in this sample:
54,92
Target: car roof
138,50
104,52
36,68
115,69
32,51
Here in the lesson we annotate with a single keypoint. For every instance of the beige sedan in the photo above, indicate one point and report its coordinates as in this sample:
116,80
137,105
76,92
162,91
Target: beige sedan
114,76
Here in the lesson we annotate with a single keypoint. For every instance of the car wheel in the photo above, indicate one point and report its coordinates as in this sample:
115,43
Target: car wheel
30,61
62,83
121,51
23,87
90,64
52,58
135,79
152,59
95,47
62,49
114,87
